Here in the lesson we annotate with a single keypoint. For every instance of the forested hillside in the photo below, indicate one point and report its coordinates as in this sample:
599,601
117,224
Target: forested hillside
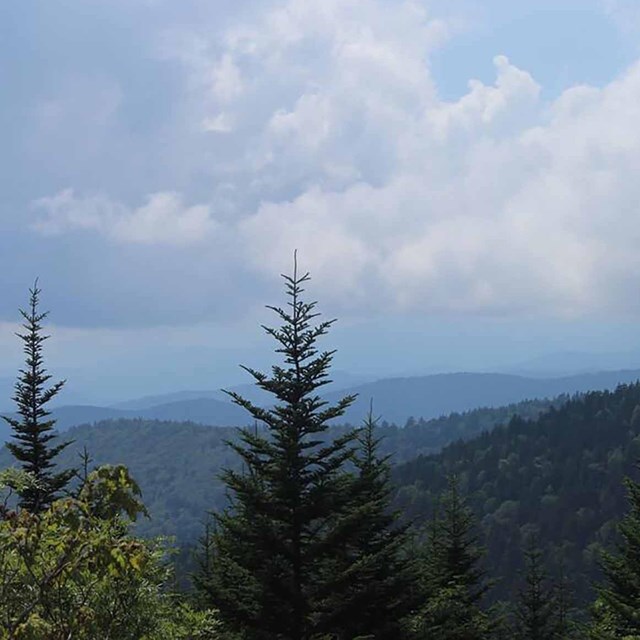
558,472
560,475
177,464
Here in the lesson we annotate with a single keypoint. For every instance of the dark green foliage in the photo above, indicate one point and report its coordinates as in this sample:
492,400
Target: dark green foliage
176,463
267,566
423,437
537,609
568,626
33,428
372,563
560,474
617,611
453,582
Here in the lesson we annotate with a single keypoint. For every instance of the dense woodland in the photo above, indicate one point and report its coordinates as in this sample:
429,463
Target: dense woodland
527,529
559,477
177,465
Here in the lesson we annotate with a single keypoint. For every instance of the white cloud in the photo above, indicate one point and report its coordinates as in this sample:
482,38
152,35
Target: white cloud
226,83
484,105
490,203
162,220
220,123
337,143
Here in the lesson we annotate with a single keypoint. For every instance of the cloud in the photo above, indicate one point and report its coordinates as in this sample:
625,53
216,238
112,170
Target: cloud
336,142
493,203
486,106
162,220
226,83
220,123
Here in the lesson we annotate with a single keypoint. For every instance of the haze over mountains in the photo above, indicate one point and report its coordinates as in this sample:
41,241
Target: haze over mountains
395,399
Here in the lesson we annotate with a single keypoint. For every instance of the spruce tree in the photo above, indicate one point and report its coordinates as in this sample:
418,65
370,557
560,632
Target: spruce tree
536,607
564,597
33,427
453,582
617,610
267,566
374,563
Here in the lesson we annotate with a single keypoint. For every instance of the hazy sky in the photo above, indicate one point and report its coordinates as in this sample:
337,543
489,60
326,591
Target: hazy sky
459,176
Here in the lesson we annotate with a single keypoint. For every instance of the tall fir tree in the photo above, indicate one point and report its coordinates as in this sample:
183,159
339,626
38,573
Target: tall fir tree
33,428
453,582
374,563
617,609
267,567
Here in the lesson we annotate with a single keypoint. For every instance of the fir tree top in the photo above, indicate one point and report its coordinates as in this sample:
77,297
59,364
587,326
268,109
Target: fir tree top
305,369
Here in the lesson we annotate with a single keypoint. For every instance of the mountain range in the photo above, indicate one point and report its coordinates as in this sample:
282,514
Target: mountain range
395,400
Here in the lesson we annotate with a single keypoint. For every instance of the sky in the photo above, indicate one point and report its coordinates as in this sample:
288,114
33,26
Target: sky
459,177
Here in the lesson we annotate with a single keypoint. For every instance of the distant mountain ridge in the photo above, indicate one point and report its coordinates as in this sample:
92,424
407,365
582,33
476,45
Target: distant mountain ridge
394,400
339,380
397,399
571,363
205,411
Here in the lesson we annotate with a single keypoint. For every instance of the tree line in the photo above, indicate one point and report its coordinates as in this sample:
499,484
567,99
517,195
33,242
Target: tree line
308,548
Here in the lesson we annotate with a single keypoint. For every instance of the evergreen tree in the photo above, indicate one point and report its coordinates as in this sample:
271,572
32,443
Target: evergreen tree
617,610
374,564
536,608
33,428
267,567
566,625
453,582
